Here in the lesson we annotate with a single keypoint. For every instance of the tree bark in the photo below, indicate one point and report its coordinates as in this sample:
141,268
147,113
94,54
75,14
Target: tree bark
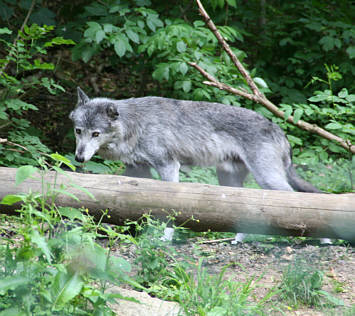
215,207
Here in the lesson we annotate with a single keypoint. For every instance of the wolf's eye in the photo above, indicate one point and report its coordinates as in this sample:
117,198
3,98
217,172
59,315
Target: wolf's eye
78,130
95,134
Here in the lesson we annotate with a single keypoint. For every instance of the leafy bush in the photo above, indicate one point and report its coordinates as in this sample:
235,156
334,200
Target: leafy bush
20,72
52,264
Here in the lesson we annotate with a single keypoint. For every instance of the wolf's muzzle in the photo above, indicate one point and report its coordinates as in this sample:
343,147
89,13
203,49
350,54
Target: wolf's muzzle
79,159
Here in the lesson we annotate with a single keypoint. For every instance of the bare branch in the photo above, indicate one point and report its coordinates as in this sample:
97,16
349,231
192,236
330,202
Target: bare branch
257,96
214,82
228,50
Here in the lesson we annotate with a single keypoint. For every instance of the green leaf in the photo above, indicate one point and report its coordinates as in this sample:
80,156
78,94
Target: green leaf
162,72
108,28
287,113
120,48
41,243
183,68
334,125
199,23
18,105
351,52
12,282
232,3
294,140
119,264
59,158
319,97
5,30
297,115
11,199
333,300
260,82
186,85
309,111
88,52
90,32
65,287
59,41
99,36
121,44
71,213
328,43
23,173
343,93
133,36
44,66
181,46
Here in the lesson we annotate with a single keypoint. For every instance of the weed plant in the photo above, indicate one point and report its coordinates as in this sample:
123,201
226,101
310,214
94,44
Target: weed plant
172,276
52,265
302,283
203,294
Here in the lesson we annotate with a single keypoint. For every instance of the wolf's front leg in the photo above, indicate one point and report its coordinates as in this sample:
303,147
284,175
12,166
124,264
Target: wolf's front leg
169,171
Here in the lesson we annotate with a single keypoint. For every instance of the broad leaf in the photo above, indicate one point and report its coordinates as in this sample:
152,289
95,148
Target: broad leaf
41,243
12,199
334,125
23,173
12,282
297,115
64,160
65,287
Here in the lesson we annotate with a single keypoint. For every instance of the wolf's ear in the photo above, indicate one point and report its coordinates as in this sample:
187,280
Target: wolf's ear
82,97
112,111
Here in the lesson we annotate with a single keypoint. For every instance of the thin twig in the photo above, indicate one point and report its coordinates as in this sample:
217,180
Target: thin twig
5,141
215,241
257,96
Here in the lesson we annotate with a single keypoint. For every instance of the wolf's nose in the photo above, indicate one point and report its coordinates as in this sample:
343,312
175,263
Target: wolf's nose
79,159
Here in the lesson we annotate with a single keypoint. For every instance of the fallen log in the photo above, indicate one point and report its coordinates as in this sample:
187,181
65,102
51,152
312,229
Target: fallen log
216,208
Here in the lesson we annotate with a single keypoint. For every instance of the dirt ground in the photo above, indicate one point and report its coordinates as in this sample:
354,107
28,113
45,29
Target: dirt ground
268,261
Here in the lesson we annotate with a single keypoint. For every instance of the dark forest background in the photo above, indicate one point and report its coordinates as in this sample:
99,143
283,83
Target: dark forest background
300,53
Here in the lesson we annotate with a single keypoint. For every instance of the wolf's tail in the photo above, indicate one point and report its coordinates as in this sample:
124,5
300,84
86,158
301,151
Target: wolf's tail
298,184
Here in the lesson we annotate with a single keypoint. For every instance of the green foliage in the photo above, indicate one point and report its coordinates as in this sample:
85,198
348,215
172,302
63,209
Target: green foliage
118,26
171,49
198,293
297,40
53,265
208,295
335,176
302,284
153,253
19,73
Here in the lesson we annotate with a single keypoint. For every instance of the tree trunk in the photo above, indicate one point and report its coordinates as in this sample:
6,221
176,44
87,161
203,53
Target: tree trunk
215,207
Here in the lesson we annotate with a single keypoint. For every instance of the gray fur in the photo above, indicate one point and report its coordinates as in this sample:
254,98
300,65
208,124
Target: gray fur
166,133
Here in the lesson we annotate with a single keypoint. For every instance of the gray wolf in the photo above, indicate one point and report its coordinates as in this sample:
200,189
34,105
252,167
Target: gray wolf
165,133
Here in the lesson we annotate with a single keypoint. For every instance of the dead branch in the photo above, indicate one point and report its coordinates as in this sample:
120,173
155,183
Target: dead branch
256,95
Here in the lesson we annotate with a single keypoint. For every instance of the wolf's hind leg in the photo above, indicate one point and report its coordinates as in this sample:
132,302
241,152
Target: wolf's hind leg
231,174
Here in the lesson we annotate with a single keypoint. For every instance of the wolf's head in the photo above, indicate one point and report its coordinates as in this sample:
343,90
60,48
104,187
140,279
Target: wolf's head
93,124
